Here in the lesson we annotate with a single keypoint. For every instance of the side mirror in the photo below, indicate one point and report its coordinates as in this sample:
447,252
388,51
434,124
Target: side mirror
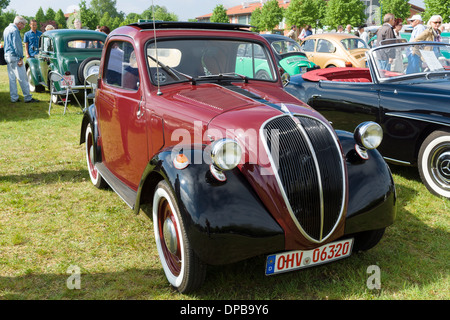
285,79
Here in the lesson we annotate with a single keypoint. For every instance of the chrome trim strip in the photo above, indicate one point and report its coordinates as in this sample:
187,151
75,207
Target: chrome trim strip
416,118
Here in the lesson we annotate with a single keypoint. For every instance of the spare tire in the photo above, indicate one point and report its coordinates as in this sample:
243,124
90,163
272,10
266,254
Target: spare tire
87,67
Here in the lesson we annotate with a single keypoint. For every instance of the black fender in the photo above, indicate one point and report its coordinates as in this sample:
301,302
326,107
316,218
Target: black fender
372,195
90,117
225,221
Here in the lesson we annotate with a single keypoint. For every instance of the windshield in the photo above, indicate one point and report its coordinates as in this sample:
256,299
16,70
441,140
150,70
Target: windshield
420,59
197,59
353,43
285,46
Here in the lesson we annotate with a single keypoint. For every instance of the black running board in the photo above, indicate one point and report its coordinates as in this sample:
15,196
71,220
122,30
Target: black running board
126,193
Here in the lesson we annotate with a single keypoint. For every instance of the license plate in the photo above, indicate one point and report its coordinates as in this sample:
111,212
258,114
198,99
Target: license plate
293,260
68,81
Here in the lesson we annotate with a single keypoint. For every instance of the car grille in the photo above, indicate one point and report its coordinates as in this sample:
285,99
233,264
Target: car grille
309,167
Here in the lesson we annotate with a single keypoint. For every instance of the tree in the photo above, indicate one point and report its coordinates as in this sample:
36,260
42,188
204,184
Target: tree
220,14
40,16
88,18
50,14
305,12
343,12
256,20
441,7
60,19
399,8
160,13
271,15
100,7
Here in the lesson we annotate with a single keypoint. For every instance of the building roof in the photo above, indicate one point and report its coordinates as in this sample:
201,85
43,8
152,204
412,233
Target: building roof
246,8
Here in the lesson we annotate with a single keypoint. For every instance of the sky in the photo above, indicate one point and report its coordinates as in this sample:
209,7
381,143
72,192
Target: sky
184,9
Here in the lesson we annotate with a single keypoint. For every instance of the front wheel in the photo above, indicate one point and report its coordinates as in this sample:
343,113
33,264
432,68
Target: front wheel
183,269
95,176
434,163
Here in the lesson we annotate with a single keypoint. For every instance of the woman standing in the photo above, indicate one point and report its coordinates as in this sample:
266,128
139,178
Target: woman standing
432,32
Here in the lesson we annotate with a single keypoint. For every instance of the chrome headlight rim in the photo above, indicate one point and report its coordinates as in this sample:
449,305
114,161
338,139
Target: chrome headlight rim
223,159
368,135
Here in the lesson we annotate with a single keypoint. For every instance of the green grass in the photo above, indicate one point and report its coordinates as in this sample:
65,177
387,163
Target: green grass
52,218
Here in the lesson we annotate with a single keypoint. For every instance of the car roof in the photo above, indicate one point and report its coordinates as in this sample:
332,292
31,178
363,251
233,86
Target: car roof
273,37
332,35
149,24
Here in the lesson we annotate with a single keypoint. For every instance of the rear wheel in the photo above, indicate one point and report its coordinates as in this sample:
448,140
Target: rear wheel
95,176
183,269
434,163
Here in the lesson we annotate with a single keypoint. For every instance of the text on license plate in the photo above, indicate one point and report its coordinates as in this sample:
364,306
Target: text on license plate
292,260
68,81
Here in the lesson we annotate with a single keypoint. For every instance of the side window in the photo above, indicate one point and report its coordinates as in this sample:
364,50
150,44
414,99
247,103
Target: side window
121,66
308,45
325,46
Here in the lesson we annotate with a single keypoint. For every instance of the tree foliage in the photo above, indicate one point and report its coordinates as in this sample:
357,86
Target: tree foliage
220,14
441,7
87,16
60,19
400,8
271,15
343,12
305,12
159,12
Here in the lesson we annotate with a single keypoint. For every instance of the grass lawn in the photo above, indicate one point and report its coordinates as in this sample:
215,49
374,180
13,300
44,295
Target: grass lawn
53,220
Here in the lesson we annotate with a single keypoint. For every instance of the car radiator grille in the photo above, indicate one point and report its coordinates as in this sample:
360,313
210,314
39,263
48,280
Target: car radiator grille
309,167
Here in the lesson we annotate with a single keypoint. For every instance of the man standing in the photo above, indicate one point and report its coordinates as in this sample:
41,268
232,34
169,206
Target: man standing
14,59
418,27
31,39
386,32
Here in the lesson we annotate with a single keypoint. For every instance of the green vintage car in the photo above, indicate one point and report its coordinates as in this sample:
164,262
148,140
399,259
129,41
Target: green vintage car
289,54
72,53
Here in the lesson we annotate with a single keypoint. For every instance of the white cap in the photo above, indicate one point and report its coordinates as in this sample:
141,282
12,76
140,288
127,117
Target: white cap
415,17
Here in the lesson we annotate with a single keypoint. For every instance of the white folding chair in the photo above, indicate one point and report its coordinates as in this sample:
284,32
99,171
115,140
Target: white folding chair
56,81
90,83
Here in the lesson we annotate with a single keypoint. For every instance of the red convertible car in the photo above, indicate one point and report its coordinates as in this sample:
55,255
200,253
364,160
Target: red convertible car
228,165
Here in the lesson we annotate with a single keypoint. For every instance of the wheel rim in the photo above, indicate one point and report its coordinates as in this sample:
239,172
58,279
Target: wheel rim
93,173
439,165
30,81
169,238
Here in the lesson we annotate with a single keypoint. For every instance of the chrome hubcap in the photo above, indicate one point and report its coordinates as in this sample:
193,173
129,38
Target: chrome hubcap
170,236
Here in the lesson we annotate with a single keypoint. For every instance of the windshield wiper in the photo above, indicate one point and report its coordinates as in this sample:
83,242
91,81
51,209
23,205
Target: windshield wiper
224,76
172,72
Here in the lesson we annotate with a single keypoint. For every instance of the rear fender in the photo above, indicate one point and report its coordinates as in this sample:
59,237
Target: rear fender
90,117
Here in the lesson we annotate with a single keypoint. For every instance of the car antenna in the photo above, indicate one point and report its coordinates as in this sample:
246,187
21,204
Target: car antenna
159,93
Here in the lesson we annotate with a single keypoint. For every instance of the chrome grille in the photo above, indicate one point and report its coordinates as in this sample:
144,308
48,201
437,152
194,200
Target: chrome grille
308,164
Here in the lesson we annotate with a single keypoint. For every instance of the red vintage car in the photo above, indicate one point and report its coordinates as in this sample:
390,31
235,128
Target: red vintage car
227,164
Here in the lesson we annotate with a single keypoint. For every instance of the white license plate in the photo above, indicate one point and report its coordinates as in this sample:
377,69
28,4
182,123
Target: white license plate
292,260
68,81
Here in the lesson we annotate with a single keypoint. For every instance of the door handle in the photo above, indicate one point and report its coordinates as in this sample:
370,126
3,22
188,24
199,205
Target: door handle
140,112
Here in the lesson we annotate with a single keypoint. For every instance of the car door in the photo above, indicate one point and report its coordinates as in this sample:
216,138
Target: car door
122,121
324,52
346,104
308,47
46,51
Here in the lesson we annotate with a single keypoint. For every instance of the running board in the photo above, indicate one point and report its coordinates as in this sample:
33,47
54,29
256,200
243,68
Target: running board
126,193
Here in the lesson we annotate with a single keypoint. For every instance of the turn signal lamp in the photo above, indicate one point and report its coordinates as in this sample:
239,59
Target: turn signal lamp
180,161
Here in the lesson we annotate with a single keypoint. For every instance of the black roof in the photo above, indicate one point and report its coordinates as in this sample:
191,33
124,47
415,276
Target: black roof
149,24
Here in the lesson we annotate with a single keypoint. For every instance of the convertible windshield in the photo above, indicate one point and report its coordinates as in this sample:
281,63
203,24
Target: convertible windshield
410,60
183,60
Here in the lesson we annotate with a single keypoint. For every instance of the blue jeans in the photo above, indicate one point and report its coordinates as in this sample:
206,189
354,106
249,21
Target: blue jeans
17,74
414,64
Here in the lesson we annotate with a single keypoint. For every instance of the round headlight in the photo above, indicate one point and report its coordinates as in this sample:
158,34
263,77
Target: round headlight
226,154
369,135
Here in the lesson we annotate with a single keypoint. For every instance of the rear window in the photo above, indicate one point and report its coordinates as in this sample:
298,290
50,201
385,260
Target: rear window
85,44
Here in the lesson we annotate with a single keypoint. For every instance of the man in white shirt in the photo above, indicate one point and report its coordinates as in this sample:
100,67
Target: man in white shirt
417,24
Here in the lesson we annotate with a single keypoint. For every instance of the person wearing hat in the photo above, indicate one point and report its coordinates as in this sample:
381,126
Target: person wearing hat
417,24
